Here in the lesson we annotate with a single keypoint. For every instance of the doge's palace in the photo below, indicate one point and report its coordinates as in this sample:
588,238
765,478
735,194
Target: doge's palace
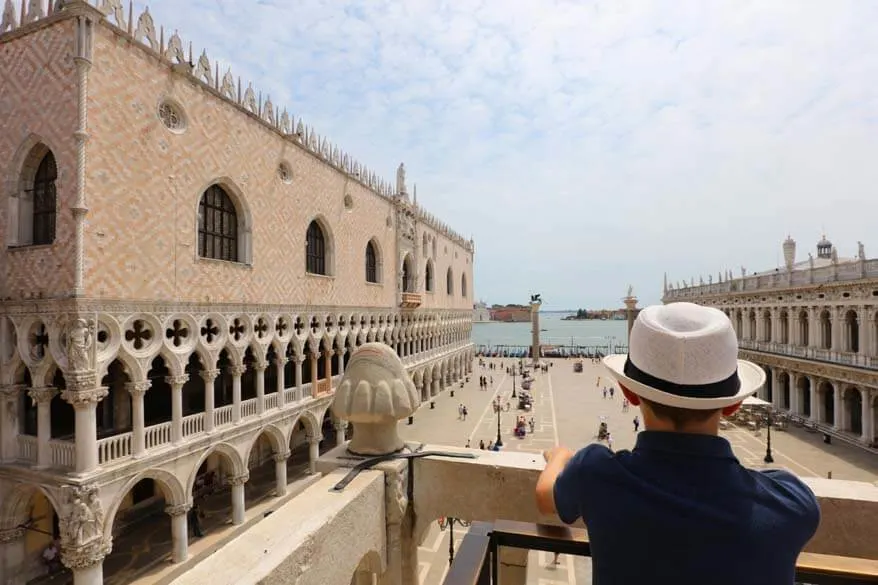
813,326
188,268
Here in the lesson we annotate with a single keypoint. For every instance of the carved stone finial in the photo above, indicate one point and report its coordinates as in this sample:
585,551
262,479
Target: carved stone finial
400,179
174,52
250,99
8,22
202,69
268,110
146,28
114,7
373,395
228,86
34,11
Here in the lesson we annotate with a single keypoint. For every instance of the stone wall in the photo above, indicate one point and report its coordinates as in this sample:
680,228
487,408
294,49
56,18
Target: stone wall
38,106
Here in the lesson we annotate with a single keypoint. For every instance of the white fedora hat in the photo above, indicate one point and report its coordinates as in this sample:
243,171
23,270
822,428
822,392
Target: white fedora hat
685,356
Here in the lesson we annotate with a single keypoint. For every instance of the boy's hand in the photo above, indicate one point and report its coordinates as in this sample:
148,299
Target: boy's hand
550,454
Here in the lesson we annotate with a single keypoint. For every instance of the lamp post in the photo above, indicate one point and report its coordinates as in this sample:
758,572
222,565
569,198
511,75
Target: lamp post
768,458
513,384
499,442
450,522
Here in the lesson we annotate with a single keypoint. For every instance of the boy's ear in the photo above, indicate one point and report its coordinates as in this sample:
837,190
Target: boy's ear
633,398
732,409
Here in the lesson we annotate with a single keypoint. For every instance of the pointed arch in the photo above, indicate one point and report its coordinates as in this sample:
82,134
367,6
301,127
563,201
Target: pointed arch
449,282
464,291
224,224
408,274
32,187
374,273
319,248
429,277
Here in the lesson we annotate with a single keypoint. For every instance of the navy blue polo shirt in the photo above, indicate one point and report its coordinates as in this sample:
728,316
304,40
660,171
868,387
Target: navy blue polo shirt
681,509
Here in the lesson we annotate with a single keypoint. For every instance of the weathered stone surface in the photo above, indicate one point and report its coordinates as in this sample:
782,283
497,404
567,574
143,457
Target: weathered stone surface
374,394
319,538
848,518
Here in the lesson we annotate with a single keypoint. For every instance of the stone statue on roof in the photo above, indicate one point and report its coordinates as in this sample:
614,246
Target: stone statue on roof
810,260
861,251
400,180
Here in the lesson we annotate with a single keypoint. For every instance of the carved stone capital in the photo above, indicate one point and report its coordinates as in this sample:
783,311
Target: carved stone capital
178,510
281,361
81,381
313,438
82,557
138,389
237,370
239,479
11,391
85,398
281,457
42,395
11,534
300,359
209,375
260,366
177,380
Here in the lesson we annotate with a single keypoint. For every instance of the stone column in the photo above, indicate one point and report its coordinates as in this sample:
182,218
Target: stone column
535,331
863,332
314,366
179,531
9,430
813,327
43,397
209,377
83,394
237,371
838,406
795,394
137,390
327,365
176,383
868,432
437,383
816,403
340,354
836,329
280,363
298,377
313,452
260,386
12,552
280,473
238,502
340,427
776,395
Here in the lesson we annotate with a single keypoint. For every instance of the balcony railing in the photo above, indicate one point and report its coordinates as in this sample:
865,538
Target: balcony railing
477,561
114,447
811,353
410,300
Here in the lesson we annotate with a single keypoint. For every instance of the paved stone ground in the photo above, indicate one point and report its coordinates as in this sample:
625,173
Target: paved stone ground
567,409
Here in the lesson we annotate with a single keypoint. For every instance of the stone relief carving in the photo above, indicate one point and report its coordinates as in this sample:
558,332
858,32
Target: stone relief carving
202,69
85,517
8,22
146,28
396,493
79,340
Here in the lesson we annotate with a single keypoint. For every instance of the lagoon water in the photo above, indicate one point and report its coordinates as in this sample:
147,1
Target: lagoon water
558,332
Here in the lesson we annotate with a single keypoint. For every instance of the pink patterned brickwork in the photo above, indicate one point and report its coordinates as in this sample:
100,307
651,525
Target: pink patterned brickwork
38,104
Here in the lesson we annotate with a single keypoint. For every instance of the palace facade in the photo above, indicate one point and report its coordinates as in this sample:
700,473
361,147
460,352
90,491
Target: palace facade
187,271
813,326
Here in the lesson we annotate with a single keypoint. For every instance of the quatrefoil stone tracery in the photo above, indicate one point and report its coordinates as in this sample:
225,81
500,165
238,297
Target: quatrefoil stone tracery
139,334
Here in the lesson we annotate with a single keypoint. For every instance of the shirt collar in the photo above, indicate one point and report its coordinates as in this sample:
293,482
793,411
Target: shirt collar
684,444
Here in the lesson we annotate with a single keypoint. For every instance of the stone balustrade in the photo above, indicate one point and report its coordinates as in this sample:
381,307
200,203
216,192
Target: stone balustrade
372,527
115,447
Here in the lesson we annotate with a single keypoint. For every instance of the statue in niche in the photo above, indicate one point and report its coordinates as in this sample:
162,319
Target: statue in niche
8,22
79,340
400,179
861,251
114,6
146,28
174,51
810,261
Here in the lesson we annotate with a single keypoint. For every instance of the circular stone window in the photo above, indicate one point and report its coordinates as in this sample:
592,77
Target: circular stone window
284,173
172,117
348,202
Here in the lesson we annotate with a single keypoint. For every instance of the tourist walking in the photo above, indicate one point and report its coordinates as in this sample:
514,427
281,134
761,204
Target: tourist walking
636,423
605,393
194,519
612,391
681,475
482,444
467,444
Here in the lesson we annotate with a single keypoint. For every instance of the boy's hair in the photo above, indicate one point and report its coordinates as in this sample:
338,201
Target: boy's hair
679,417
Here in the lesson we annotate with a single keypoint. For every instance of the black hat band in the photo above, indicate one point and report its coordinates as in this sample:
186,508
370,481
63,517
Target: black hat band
722,389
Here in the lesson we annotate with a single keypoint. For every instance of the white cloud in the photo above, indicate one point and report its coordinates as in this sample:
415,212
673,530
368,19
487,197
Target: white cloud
585,145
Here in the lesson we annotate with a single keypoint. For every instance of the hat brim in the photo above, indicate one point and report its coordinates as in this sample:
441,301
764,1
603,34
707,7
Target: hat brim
752,379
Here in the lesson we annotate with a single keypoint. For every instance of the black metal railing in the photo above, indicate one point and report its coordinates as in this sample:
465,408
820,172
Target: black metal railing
477,561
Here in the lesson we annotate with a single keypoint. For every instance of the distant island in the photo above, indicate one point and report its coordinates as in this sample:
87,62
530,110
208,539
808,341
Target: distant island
597,315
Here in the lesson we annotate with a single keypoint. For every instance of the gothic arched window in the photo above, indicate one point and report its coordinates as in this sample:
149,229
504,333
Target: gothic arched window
43,194
315,250
217,225
449,278
463,285
371,263
428,276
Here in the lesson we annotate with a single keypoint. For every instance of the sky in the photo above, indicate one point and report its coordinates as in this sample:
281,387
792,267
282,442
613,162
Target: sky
585,146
